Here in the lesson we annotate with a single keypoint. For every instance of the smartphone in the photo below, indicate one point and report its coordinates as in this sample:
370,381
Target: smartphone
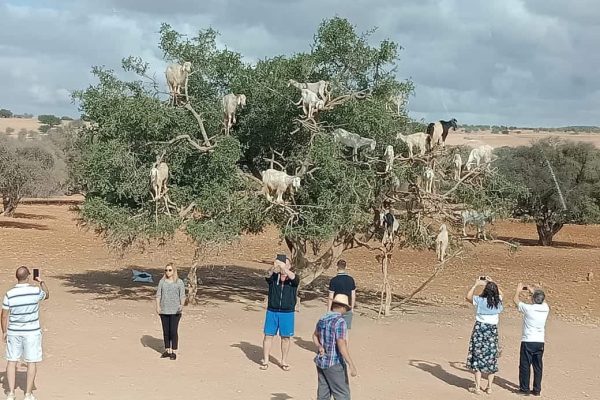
482,278
281,257
525,288
36,273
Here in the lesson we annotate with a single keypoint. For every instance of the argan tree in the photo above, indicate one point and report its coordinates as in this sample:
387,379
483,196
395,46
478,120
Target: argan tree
215,182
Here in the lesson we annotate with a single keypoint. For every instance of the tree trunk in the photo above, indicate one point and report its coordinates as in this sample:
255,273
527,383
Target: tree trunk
546,231
311,270
9,205
192,285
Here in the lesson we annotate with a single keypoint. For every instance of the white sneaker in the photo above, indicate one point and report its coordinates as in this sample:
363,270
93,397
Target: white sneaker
30,396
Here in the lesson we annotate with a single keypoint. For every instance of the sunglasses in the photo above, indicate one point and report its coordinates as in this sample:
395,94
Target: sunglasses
168,270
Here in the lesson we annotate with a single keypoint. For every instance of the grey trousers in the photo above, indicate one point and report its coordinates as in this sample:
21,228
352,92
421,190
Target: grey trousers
333,381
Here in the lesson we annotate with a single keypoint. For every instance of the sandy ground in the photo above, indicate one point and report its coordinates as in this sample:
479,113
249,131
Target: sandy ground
102,338
514,139
29,124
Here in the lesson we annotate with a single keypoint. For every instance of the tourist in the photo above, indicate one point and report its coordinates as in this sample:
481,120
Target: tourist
170,298
343,283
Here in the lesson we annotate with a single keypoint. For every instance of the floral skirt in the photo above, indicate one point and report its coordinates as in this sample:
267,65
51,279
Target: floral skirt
483,348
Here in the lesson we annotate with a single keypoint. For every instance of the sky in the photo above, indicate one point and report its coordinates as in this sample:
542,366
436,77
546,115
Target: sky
502,62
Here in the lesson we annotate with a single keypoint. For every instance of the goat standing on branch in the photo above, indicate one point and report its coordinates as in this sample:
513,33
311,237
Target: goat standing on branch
480,154
438,131
457,166
441,243
353,140
230,104
177,77
320,88
478,219
390,227
389,158
429,176
418,140
159,176
311,103
280,182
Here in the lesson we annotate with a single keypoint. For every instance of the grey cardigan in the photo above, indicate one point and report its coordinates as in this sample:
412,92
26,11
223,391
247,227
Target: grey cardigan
171,295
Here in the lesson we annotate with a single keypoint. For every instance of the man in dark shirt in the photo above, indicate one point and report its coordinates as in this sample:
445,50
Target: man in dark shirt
344,284
283,288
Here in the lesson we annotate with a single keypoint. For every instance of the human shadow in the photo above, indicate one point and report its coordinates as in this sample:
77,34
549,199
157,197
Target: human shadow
152,342
20,381
498,380
33,216
253,352
555,244
436,370
22,225
305,344
280,396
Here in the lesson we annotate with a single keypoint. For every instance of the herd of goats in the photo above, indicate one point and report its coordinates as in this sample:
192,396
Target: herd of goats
314,98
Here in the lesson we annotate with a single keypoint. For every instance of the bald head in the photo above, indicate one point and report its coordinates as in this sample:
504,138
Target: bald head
22,274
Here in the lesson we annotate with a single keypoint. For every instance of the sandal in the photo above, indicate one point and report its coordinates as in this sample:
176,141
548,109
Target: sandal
285,367
264,365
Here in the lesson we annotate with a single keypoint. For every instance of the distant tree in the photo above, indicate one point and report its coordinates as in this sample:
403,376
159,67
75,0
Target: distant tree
27,115
49,119
44,128
26,171
66,118
576,167
4,113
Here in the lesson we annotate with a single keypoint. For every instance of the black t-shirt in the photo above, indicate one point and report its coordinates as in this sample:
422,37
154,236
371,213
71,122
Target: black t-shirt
344,284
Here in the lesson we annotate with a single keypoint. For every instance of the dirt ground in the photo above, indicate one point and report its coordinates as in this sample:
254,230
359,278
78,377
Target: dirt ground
514,138
102,338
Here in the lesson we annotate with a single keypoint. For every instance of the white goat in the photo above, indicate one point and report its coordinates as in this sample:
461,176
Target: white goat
480,154
311,103
159,175
230,104
457,166
320,88
389,158
429,175
390,226
418,140
477,219
441,243
353,140
280,182
177,77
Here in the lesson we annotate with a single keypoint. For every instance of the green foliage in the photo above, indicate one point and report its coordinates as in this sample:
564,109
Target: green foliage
4,113
44,128
49,119
66,118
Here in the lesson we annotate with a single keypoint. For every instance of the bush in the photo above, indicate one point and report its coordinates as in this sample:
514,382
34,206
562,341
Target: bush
49,119
9,130
44,128
65,118
4,113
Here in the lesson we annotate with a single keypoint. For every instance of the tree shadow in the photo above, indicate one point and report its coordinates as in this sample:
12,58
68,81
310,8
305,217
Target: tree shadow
555,244
280,396
154,343
253,352
22,225
443,375
305,344
498,380
33,216
20,380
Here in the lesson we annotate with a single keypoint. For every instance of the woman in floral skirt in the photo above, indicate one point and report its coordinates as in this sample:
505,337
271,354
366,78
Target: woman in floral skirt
483,347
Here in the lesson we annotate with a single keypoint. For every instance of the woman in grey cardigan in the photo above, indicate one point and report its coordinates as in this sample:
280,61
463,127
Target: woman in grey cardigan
170,298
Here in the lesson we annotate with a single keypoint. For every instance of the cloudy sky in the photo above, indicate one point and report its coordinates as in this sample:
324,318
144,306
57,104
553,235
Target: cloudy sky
514,62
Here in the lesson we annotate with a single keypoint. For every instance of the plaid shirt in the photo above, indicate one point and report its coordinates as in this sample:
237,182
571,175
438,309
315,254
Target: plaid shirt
330,328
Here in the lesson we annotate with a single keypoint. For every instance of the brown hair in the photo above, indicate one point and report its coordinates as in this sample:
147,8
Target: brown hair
341,264
175,275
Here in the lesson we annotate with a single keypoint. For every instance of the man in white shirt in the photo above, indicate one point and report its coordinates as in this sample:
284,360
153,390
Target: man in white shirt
532,340
21,329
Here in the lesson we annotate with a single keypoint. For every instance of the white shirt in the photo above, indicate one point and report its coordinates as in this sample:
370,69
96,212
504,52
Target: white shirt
534,321
491,319
22,301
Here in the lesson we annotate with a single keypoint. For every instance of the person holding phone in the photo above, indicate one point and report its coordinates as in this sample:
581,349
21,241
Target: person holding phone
283,289
483,346
533,338
21,328
170,298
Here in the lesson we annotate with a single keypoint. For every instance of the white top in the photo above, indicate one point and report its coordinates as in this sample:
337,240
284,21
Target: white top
491,319
534,321
23,303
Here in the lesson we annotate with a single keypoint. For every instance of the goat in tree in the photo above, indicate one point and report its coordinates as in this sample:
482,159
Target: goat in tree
438,131
390,226
477,219
320,88
480,154
280,182
230,104
441,243
418,140
159,176
457,166
353,140
311,103
429,175
389,158
177,76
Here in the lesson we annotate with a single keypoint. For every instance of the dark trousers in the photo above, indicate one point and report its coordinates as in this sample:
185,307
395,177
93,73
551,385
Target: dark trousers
531,356
170,324
333,381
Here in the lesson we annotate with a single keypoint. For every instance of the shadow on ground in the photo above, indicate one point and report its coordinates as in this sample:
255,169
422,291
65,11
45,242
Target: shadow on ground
555,244
22,225
153,343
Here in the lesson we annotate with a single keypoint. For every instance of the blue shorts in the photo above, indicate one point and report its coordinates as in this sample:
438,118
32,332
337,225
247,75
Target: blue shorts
282,322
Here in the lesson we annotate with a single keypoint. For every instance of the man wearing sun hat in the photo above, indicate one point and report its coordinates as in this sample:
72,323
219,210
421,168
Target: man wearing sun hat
333,355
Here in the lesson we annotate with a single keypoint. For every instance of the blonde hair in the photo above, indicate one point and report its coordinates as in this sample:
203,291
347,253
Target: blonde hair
175,275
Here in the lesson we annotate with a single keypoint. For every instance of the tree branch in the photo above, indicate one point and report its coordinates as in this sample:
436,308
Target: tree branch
198,117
